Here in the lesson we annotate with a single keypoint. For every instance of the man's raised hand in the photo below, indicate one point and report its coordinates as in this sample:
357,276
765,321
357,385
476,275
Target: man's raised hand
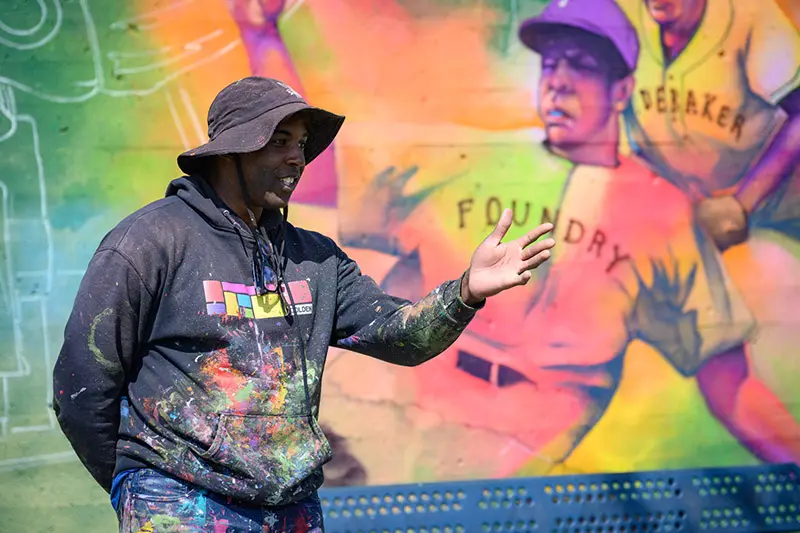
497,266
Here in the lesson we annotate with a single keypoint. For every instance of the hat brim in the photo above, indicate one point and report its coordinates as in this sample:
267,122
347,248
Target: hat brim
323,126
533,31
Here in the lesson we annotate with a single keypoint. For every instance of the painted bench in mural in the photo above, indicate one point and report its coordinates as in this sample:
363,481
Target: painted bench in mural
742,499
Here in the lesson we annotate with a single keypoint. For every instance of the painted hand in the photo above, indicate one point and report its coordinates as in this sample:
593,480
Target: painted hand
257,13
373,218
497,266
272,9
724,219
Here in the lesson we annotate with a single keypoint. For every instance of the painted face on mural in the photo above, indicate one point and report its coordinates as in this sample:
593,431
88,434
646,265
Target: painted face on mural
272,173
671,11
579,89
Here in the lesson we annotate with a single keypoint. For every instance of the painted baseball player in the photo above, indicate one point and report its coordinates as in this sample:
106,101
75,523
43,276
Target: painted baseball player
631,265
670,291
717,108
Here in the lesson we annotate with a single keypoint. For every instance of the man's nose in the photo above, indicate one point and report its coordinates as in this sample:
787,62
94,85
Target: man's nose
296,157
560,78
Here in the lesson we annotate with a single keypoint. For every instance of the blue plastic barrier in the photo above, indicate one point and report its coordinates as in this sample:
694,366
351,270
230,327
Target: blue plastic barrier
744,499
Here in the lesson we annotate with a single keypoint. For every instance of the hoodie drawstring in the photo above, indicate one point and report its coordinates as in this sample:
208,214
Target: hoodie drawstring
276,258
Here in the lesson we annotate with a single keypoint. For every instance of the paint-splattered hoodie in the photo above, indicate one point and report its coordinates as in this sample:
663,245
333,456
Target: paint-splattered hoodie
171,360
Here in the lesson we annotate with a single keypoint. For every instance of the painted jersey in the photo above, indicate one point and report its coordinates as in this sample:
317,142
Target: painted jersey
628,264
631,264
703,119
445,230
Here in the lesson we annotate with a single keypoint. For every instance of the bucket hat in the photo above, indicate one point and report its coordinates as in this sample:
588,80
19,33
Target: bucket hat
244,115
603,18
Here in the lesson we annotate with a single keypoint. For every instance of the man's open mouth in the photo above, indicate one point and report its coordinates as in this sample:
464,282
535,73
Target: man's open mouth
557,117
289,182
497,374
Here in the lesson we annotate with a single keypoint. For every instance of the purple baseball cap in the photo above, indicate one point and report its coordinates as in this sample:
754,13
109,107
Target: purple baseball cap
599,17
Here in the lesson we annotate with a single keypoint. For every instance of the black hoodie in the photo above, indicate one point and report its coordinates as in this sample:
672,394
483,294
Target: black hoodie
172,360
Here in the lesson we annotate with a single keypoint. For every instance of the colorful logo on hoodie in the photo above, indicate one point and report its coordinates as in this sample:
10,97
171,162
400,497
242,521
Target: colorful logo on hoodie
239,300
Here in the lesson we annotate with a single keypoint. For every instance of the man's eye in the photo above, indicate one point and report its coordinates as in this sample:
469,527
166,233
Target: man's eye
278,142
303,144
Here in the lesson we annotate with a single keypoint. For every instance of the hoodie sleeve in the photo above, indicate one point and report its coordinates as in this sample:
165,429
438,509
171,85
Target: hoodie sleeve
102,336
374,323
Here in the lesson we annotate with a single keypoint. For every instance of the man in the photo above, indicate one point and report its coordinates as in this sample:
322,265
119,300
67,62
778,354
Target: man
189,379
717,109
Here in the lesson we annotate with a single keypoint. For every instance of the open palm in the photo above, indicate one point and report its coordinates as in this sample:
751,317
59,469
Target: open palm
497,266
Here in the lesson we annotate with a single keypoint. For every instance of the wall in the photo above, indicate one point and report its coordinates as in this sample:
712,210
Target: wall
647,344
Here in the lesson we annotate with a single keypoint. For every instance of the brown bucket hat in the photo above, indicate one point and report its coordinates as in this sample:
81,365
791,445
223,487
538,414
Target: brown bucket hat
244,115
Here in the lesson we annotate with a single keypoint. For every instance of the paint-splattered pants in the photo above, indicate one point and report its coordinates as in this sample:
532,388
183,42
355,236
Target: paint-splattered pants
151,502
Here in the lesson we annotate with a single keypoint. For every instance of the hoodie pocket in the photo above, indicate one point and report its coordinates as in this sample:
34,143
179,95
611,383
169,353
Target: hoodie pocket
277,451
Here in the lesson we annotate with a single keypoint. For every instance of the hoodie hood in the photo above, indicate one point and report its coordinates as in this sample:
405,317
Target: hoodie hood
200,196
268,240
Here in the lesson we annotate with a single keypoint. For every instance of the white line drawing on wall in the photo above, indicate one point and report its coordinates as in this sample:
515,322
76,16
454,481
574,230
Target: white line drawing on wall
185,113
19,300
30,38
107,66
173,110
197,52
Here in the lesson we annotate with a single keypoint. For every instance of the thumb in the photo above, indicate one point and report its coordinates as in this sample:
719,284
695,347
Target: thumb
500,229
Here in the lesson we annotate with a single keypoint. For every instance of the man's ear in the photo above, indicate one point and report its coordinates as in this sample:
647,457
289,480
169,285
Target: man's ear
622,91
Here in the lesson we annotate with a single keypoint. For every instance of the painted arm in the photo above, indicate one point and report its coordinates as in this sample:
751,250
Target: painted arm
725,217
778,161
258,25
269,57
90,375
772,69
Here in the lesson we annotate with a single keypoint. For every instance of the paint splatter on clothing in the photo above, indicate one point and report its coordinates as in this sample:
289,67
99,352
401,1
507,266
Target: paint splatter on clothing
154,503
183,366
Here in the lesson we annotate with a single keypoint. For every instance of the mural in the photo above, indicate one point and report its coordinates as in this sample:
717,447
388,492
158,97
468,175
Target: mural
657,135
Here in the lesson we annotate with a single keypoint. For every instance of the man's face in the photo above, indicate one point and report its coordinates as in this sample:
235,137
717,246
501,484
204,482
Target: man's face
669,11
273,172
575,94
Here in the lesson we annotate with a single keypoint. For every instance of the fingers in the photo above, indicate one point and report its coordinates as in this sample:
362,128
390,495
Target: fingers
534,234
501,228
537,248
524,277
533,262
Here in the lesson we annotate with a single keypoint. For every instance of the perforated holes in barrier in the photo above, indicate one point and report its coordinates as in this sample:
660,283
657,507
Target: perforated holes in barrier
507,498
622,522
776,483
780,515
718,485
723,518
516,525
602,492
